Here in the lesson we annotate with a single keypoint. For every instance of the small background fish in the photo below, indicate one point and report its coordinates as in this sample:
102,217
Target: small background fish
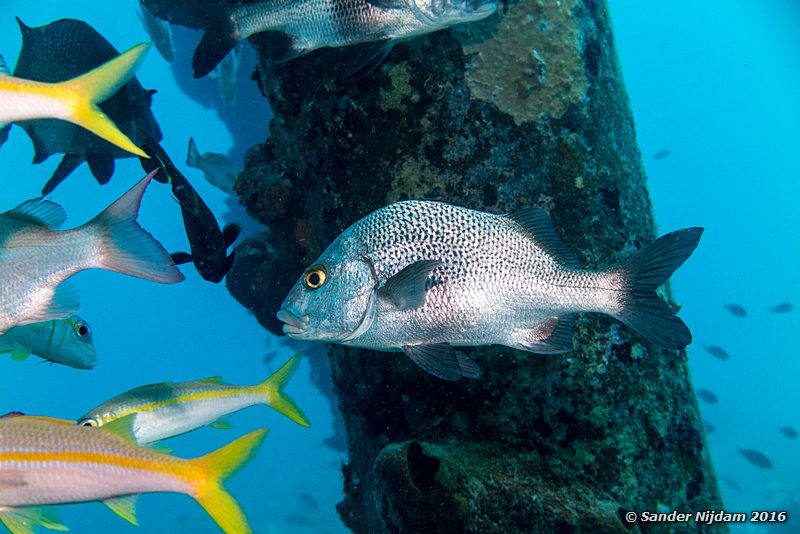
67,341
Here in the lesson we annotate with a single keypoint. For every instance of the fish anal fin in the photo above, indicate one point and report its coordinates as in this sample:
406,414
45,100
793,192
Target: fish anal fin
405,290
442,360
538,224
125,507
101,164
68,163
40,212
281,47
553,336
24,520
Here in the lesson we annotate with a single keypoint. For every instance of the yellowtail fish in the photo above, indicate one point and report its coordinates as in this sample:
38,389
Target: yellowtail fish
44,461
165,410
35,259
74,100
67,341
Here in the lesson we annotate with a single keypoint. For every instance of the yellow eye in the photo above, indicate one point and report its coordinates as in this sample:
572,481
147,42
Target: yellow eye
315,277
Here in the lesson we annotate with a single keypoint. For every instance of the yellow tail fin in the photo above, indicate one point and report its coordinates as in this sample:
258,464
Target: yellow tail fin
272,389
98,85
217,466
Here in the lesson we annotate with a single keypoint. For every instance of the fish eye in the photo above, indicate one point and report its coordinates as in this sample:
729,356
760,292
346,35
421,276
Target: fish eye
315,277
81,328
88,422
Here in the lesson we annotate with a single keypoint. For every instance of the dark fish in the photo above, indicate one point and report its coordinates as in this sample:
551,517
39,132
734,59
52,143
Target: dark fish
756,458
788,431
783,307
63,50
731,483
308,501
717,352
709,428
306,25
736,310
208,244
662,154
707,396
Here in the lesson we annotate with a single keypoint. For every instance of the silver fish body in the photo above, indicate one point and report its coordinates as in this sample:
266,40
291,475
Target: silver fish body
423,277
312,24
67,341
35,259
159,31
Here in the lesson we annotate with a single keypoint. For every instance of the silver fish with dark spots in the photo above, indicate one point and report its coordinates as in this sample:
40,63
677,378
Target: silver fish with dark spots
307,25
422,277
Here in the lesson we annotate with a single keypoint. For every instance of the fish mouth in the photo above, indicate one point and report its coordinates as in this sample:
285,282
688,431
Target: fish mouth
293,325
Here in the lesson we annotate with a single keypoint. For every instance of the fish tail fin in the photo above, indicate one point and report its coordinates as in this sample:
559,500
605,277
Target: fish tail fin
216,467
272,389
24,520
99,84
218,40
642,309
192,155
128,248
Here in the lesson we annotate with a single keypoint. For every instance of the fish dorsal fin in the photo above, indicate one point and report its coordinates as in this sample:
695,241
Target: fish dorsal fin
125,507
405,290
443,360
122,427
538,223
24,520
212,380
41,212
221,424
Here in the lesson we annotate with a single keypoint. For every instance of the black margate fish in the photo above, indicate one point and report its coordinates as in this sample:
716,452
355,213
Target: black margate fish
307,25
63,50
717,352
423,277
707,396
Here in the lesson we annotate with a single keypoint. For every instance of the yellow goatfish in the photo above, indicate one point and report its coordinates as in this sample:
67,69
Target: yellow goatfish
74,100
165,410
44,461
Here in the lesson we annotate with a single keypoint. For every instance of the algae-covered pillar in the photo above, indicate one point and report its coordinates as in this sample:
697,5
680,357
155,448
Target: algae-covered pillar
526,108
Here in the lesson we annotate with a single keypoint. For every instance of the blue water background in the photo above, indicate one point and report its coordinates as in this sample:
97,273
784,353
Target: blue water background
714,82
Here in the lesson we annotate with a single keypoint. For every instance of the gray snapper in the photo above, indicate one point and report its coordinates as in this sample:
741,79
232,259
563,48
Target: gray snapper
220,170
311,24
67,341
35,259
159,31
422,277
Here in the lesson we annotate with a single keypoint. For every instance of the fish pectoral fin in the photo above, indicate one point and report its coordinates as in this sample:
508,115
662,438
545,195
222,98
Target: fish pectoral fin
406,289
443,360
122,427
65,301
24,520
125,507
20,354
221,424
553,336
366,57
